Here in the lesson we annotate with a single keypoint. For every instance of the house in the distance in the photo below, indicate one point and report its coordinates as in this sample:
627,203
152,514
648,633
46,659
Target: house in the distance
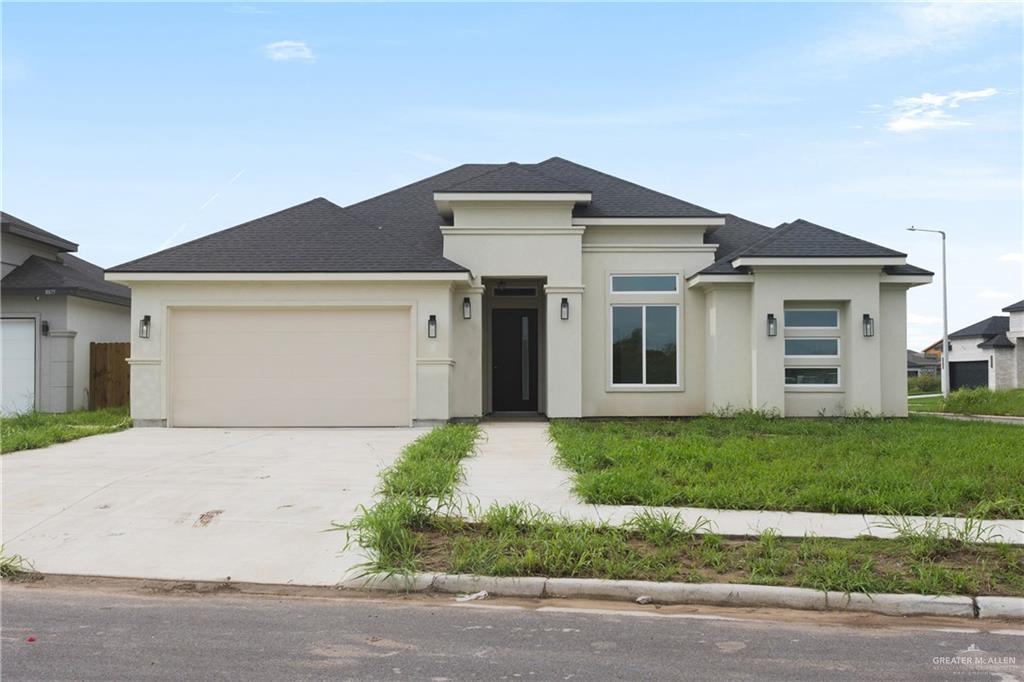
548,288
919,364
53,305
989,353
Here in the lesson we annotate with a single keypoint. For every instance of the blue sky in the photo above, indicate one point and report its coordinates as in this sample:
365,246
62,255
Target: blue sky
128,127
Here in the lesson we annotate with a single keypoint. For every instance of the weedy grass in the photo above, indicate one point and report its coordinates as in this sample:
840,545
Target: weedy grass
40,429
921,466
983,401
13,565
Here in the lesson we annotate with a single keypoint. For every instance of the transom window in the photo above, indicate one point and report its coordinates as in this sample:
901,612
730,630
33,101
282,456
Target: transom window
645,345
812,319
633,284
797,347
812,376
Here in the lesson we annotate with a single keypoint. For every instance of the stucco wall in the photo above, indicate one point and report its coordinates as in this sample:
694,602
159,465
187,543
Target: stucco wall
966,350
727,351
891,331
97,322
432,377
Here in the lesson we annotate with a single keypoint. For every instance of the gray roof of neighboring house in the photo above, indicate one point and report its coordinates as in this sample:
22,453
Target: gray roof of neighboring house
915,359
1017,307
990,326
398,231
997,341
70,276
512,177
14,225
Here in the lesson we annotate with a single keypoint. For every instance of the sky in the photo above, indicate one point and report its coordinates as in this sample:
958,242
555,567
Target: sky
132,127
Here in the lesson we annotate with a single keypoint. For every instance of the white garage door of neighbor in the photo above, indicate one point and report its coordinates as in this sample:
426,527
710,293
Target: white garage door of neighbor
290,367
18,371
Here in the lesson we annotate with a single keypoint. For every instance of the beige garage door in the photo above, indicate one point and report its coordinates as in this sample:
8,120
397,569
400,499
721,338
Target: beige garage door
290,367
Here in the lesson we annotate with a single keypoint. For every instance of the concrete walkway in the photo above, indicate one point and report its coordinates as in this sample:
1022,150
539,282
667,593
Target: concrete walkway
196,504
514,465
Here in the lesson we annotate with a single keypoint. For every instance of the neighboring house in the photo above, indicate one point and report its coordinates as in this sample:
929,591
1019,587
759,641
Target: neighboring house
53,306
934,350
922,363
544,288
989,353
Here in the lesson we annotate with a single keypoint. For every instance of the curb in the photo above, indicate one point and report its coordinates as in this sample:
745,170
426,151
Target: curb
705,594
956,416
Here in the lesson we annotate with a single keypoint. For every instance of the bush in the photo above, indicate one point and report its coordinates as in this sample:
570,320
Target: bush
928,383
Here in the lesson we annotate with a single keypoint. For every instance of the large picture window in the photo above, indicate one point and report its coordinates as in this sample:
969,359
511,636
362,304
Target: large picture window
645,345
812,376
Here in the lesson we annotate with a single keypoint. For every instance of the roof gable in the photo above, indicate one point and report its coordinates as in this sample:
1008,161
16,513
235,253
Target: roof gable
804,239
998,341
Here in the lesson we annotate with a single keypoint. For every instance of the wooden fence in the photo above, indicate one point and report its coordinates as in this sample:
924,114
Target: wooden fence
108,374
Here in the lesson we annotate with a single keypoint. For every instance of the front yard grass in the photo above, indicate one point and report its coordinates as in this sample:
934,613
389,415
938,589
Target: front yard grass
1008,403
40,429
419,524
919,466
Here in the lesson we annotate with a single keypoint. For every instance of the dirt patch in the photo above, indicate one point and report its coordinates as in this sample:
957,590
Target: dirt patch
206,517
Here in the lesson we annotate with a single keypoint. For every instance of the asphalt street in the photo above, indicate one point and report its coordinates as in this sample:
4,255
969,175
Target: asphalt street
101,635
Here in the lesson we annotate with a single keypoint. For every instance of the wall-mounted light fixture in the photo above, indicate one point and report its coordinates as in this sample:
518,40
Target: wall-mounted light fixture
869,325
44,328
144,327
565,309
432,327
467,308
773,325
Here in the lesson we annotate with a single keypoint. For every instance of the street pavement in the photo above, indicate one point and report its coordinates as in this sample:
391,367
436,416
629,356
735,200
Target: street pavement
81,634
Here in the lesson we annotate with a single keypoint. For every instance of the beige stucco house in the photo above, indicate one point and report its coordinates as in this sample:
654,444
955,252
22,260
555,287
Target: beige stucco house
53,305
546,288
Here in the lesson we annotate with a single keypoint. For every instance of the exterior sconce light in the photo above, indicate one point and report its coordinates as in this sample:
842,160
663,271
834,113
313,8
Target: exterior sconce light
869,325
44,328
144,327
773,325
432,327
467,308
565,309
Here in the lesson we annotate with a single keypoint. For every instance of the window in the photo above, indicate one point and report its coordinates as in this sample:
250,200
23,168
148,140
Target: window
812,376
631,284
644,345
815,319
806,347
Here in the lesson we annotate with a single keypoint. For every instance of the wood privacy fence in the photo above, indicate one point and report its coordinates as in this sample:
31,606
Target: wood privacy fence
108,374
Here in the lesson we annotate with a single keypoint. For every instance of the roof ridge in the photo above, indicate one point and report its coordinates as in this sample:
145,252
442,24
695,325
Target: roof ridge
623,180
519,166
413,184
232,229
848,236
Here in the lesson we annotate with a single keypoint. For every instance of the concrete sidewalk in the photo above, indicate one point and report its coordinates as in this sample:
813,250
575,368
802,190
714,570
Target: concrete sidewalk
514,464
196,504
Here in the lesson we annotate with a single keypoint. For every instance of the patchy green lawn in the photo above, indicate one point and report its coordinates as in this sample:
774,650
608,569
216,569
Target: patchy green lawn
974,401
40,429
512,541
919,466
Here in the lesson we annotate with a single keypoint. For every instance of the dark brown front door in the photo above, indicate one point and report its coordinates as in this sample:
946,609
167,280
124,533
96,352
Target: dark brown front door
514,360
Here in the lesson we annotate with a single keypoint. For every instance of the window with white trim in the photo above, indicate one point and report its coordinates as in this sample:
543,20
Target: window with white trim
811,347
645,284
645,345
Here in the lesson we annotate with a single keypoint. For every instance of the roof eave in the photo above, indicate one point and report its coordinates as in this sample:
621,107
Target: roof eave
56,242
128,276
805,261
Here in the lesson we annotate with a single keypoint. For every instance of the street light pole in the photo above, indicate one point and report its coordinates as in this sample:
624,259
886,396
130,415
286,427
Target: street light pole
945,312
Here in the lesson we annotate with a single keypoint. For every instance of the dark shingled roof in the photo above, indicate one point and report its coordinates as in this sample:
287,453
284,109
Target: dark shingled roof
905,269
316,236
997,324
512,177
1017,307
17,226
69,276
804,239
997,341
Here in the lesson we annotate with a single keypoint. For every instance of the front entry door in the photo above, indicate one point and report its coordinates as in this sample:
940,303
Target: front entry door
514,360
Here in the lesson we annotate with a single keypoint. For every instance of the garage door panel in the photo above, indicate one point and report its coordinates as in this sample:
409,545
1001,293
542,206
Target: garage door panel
290,367
968,374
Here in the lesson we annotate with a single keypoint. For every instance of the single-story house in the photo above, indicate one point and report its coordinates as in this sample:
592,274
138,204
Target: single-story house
989,353
546,288
919,364
53,305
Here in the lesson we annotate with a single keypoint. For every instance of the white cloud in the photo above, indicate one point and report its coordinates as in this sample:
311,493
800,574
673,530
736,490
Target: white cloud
930,111
1012,258
907,28
994,295
289,50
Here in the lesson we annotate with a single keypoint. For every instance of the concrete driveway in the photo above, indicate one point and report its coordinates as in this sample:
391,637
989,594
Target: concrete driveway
196,504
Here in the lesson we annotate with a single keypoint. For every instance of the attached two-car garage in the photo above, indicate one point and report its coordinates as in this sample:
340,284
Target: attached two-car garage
286,366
